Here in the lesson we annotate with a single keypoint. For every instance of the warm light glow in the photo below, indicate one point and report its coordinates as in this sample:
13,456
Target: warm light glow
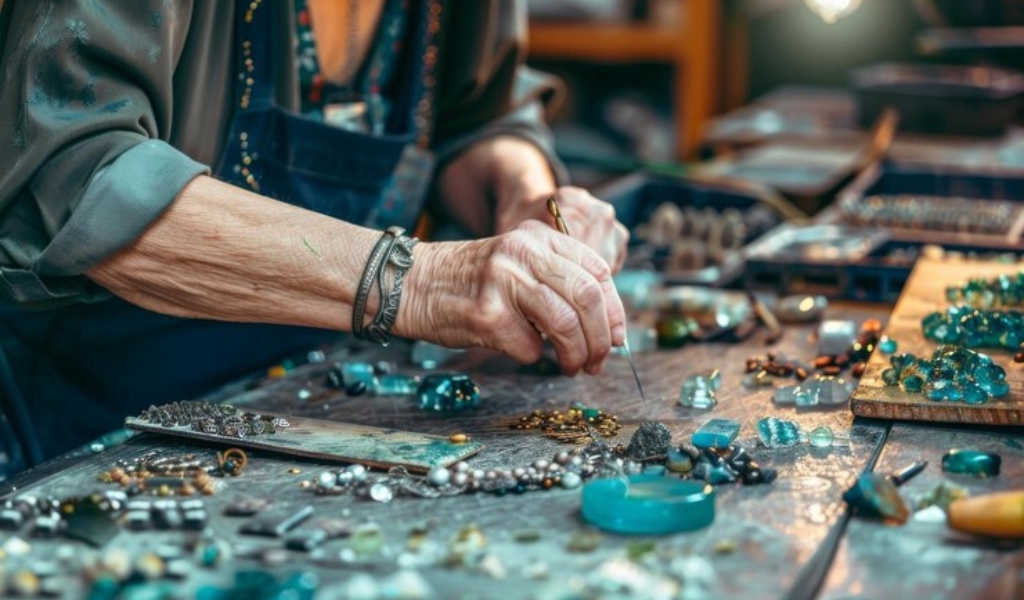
831,11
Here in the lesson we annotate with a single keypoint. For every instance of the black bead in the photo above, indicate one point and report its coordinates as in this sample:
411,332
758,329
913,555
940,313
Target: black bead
335,379
357,388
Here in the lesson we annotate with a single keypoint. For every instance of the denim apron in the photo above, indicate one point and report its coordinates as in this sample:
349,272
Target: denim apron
77,372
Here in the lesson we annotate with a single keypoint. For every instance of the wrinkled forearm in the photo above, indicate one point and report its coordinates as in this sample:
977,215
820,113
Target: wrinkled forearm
220,252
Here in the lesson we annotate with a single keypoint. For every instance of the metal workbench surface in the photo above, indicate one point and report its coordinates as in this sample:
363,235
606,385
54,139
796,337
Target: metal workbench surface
759,545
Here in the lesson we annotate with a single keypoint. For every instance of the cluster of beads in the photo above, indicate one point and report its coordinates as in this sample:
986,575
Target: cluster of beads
183,475
212,419
1001,291
718,465
953,374
574,426
780,433
565,470
975,328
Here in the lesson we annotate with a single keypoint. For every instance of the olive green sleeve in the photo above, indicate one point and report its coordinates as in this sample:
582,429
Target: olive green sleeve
85,110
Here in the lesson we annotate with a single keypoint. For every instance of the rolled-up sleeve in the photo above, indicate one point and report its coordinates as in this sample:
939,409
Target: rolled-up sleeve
85,111
485,89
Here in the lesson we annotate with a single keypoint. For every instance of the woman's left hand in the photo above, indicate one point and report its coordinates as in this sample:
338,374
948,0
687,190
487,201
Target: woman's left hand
588,219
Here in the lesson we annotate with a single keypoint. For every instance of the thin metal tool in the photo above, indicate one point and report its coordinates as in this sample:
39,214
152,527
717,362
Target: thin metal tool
560,224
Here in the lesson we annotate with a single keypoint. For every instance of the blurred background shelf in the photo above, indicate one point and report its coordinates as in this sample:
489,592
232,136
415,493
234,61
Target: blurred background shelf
689,46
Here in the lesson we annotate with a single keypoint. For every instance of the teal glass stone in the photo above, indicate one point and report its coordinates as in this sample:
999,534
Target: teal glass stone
396,385
901,361
352,372
887,345
785,395
973,394
997,389
821,437
911,383
678,461
591,413
448,392
778,433
698,391
823,391
716,433
969,461
890,377
987,374
876,496
942,391
648,504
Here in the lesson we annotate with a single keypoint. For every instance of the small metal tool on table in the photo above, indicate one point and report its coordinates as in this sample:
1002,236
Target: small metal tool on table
560,224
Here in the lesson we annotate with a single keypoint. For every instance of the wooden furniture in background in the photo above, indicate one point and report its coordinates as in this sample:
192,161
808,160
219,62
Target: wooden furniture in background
692,48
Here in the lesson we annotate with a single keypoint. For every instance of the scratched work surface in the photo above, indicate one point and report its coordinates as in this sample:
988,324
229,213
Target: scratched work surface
924,294
774,529
338,442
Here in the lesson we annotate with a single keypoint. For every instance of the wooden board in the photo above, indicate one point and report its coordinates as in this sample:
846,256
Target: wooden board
924,293
339,442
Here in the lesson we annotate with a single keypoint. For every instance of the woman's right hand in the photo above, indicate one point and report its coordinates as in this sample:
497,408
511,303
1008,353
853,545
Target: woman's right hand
503,292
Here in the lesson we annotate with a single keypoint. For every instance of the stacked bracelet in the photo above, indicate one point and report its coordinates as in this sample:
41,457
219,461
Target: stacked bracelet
395,249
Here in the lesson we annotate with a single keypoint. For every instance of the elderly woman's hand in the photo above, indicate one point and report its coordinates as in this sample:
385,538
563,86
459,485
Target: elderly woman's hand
589,219
503,292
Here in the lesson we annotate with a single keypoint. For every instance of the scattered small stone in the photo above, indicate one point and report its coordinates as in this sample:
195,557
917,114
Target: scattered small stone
586,540
726,546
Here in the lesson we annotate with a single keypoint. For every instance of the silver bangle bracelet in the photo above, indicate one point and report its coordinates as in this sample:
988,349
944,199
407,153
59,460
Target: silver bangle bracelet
394,249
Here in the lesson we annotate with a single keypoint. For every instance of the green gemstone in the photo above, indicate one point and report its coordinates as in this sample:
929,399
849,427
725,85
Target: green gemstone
591,413
674,332
901,361
890,377
972,462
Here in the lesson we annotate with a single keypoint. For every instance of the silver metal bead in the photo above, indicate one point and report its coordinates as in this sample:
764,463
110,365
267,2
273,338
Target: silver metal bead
439,476
518,472
358,472
562,458
345,478
460,478
327,479
461,467
541,464
576,461
477,474
571,480
381,493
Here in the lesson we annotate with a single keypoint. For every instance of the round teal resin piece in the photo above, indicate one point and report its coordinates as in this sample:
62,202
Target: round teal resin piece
648,504
972,462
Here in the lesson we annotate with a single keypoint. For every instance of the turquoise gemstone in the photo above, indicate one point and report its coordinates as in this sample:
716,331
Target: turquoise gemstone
997,389
778,433
678,461
911,383
874,495
698,391
352,372
591,413
972,462
973,394
887,345
891,377
716,433
942,391
397,385
901,361
448,392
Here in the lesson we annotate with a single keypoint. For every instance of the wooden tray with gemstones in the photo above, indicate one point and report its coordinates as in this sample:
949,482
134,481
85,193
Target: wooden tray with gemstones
924,293
338,442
